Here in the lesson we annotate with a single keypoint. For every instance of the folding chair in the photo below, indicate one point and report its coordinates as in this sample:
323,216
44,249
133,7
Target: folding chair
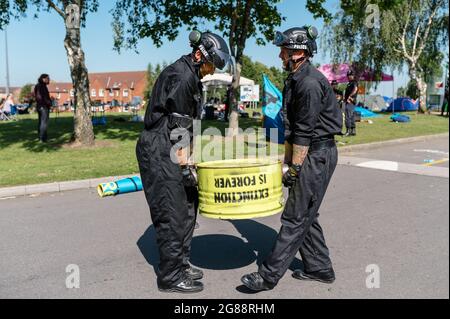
4,116
9,117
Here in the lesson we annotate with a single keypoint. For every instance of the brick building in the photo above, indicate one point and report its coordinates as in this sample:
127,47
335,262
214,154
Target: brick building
15,91
106,88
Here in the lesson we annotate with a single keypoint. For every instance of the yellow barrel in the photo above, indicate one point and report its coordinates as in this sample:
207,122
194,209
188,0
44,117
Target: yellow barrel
240,189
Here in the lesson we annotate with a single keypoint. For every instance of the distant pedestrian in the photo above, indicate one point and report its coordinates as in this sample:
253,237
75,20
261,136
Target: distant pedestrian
350,99
8,105
43,105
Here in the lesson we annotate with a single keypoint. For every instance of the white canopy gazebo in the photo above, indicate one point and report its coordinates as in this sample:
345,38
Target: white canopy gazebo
221,80
224,79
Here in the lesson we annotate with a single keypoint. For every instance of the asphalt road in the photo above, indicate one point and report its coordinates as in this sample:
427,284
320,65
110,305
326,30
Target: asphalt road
397,221
433,153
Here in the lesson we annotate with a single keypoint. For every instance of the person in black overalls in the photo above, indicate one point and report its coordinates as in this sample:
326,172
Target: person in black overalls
350,97
168,180
312,119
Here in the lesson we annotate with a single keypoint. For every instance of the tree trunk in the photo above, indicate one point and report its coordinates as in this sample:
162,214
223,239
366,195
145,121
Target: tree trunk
83,128
234,116
422,87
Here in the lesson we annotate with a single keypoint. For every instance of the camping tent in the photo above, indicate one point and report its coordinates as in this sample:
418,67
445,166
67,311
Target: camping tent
338,72
366,113
374,102
403,104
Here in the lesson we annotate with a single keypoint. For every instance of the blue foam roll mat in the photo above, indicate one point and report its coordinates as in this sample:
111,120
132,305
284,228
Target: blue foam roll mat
123,186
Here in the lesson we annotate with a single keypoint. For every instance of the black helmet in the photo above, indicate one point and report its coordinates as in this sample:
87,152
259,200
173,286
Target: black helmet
213,47
350,73
303,38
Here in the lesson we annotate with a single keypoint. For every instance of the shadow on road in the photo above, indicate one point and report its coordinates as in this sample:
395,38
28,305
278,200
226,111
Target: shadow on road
149,249
261,239
222,251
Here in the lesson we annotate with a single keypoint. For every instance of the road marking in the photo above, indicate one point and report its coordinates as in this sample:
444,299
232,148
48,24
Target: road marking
432,152
383,165
444,160
407,168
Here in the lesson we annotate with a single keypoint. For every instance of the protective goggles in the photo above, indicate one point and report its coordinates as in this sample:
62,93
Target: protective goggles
282,39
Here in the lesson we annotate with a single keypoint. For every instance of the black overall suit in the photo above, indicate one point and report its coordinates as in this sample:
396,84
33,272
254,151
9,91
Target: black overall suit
173,206
312,118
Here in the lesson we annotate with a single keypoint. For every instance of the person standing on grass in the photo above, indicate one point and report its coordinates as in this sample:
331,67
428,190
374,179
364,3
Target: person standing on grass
43,105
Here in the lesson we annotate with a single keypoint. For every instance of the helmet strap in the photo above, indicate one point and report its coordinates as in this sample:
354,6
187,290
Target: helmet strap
293,62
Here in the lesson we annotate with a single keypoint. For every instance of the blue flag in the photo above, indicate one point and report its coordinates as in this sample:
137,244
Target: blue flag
272,111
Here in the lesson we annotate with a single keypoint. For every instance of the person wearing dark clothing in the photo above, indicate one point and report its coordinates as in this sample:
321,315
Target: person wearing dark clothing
350,97
168,180
312,120
43,105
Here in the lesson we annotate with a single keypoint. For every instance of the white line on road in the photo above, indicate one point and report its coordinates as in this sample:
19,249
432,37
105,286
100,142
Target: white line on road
432,152
383,165
395,166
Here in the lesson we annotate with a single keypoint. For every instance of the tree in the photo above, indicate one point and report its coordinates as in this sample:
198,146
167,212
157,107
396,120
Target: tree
152,75
238,20
391,34
25,93
255,70
73,14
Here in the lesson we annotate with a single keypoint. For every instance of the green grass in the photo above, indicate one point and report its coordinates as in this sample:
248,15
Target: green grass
25,161
383,129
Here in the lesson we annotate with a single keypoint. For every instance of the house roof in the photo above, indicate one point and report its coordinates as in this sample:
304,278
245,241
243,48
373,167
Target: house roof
117,80
59,87
11,89
107,80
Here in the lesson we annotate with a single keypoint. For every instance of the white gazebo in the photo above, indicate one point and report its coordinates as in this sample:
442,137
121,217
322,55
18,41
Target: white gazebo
221,80
224,79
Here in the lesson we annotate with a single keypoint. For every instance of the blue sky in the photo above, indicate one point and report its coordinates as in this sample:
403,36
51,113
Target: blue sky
36,46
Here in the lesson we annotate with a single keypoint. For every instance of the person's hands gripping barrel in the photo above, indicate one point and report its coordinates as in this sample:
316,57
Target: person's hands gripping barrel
189,176
291,176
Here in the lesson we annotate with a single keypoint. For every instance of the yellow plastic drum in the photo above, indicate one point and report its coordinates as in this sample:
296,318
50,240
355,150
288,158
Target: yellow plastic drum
240,189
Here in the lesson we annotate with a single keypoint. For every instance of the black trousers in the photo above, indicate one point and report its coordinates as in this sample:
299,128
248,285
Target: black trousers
173,207
300,229
350,122
44,116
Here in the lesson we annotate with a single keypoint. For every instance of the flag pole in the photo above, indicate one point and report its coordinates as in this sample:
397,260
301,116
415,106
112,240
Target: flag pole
7,63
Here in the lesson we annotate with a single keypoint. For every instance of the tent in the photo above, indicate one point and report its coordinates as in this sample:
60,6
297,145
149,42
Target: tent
338,72
224,79
403,104
365,113
375,102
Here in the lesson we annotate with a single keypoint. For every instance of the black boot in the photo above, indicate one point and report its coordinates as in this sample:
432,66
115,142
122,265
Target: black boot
325,276
255,282
194,273
186,286
353,132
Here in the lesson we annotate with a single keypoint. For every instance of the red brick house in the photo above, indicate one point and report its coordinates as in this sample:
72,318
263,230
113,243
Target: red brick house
121,87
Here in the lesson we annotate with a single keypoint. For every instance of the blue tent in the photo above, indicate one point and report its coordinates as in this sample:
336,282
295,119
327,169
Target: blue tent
403,104
272,110
388,100
366,113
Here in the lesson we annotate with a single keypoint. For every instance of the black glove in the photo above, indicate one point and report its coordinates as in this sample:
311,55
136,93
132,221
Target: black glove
189,179
291,176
